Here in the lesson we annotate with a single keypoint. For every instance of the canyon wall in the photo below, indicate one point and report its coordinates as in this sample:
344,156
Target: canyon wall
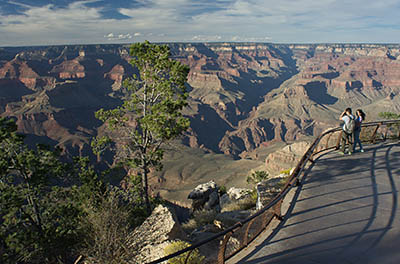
242,95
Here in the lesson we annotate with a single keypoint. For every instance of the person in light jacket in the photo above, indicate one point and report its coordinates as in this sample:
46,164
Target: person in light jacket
346,117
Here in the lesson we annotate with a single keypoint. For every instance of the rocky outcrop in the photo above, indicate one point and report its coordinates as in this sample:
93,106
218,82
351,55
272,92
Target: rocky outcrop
286,158
205,196
270,188
234,194
149,239
116,74
69,69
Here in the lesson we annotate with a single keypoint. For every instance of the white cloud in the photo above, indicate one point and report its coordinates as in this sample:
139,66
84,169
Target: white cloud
206,38
112,36
124,36
181,20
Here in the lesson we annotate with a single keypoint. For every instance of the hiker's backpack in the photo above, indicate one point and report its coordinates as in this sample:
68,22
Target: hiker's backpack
349,127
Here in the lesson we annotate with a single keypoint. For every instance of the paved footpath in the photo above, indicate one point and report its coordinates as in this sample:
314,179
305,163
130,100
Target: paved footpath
345,212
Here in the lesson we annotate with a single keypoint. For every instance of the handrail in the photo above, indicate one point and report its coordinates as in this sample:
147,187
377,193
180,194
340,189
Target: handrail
276,202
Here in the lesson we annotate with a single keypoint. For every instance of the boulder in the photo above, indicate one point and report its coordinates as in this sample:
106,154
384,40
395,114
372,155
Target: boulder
238,193
150,238
205,196
224,200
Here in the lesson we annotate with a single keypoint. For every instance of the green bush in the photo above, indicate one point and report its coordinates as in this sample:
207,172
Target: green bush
257,177
39,222
222,190
52,211
389,115
194,257
287,172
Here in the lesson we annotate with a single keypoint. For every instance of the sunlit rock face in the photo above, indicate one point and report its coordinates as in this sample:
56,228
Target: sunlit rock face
241,95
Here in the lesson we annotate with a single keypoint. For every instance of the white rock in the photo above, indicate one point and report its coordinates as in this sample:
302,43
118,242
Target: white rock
202,190
238,193
150,238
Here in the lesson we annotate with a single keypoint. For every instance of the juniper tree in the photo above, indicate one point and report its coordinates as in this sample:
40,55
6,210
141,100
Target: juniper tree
150,114
38,220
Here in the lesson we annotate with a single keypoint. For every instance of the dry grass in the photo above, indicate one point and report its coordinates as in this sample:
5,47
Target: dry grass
243,204
194,257
200,218
109,233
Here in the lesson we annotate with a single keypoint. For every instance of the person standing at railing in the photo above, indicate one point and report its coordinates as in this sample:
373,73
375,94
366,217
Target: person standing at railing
360,116
348,129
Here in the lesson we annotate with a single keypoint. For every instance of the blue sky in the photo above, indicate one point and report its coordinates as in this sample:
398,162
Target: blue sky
54,22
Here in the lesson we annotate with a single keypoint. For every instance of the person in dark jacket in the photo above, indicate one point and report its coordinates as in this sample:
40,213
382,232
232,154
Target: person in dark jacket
360,116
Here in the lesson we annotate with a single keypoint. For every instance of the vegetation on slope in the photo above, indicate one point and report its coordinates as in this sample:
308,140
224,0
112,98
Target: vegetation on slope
55,211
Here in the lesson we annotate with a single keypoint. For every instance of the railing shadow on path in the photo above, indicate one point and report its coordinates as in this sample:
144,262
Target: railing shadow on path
358,245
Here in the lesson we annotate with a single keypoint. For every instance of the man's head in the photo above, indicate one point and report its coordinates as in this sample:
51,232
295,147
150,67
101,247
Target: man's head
348,111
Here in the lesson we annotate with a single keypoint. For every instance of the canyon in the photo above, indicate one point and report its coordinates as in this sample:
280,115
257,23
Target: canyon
246,100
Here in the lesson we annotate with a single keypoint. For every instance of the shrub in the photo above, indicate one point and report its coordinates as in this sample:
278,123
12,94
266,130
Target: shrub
243,204
254,196
222,190
194,257
389,115
108,231
204,217
287,172
200,218
282,183
257,177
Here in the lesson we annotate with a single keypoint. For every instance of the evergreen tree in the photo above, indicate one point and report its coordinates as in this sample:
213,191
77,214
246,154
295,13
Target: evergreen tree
38,220
150,115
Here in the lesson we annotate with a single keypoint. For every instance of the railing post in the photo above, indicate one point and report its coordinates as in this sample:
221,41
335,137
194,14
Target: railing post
327,141
278,211
372,140
297,183
339,139
222,248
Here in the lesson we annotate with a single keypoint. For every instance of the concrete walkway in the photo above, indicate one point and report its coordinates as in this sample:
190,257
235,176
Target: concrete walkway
346,211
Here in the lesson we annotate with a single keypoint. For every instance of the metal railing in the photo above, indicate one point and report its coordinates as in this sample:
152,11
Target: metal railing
245,231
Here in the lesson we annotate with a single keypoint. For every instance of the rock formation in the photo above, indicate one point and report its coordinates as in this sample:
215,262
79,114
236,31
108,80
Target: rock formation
234,194
156,232
205,196
286,158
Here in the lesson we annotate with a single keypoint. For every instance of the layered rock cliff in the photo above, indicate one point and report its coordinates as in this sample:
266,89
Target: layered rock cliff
241,94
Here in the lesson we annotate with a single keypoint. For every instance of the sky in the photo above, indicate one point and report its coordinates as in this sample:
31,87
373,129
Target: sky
63,22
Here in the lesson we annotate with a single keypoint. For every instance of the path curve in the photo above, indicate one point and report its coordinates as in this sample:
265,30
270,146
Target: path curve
345,211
